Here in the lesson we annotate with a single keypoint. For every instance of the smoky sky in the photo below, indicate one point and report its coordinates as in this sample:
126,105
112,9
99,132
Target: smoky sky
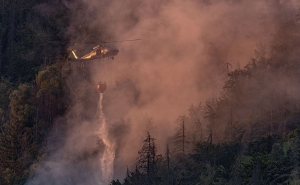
179,60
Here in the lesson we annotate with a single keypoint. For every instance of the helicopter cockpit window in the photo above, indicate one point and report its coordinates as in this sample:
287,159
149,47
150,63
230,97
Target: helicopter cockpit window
104,50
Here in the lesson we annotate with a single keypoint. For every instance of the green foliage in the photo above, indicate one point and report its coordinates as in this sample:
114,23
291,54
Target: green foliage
49,81
15,148
51,91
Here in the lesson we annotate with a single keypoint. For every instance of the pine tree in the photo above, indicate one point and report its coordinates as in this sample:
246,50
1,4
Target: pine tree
147,160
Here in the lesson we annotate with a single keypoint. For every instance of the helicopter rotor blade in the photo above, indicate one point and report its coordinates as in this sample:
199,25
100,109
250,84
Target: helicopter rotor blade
104,42
124,40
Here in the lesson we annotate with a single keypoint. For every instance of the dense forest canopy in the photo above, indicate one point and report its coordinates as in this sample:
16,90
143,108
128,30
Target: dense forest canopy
210,95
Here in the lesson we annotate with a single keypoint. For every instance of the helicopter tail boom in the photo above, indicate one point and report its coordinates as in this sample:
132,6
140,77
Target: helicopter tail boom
74,54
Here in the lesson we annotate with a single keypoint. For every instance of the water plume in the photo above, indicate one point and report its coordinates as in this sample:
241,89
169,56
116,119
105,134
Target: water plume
108,155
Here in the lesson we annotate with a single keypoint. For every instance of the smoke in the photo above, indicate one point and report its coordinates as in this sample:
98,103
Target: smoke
179,61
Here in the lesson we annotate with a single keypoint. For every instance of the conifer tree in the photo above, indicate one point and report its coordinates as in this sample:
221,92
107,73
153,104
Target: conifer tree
147,160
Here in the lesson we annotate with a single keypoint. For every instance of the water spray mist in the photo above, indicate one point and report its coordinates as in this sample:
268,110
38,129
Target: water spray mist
108,155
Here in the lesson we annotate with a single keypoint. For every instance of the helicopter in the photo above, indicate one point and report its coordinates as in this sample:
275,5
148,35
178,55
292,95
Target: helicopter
100,51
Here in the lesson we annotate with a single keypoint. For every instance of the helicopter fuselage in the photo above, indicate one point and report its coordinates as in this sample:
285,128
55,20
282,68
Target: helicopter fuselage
99,52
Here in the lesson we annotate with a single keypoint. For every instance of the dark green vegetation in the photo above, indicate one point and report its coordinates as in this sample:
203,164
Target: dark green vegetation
249,135
33,72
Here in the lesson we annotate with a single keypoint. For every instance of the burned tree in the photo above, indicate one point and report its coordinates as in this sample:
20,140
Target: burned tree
181,141
211,116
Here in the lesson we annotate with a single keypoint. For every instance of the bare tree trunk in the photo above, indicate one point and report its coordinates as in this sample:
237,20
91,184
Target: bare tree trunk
183,137
271,124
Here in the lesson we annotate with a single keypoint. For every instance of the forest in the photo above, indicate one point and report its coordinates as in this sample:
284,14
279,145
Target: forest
248,134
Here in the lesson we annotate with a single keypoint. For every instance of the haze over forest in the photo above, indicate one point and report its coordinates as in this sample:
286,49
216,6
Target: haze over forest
208,95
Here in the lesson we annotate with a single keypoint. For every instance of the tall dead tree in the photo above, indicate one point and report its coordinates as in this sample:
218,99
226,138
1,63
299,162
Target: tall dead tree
168,157
181,141
211,116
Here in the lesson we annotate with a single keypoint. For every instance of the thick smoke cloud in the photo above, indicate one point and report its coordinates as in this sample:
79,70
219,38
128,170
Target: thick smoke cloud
180,58
179,61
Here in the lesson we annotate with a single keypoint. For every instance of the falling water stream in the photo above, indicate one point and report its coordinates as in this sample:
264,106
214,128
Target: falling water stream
108,155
